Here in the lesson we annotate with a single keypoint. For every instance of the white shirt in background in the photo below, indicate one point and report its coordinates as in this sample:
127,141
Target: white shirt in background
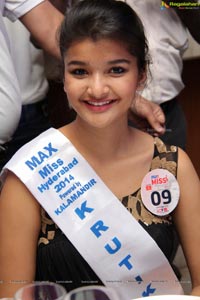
10,96
29,63
167,39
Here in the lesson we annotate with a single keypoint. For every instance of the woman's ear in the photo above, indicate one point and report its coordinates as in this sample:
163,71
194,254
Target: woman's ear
64,86
64,83
142,80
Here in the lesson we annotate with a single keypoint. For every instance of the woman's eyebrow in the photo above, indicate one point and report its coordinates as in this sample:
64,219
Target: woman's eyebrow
119,61
76,63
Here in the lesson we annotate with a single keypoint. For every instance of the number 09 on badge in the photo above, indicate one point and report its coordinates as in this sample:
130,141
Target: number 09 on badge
160,192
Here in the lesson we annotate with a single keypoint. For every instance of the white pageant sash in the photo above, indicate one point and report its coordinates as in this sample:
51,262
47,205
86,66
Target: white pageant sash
117,248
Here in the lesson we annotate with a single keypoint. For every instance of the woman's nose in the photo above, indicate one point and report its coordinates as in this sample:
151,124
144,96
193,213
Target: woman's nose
98,87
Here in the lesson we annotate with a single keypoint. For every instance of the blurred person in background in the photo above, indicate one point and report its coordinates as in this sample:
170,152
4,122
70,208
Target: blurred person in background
42,20
166,29
30,72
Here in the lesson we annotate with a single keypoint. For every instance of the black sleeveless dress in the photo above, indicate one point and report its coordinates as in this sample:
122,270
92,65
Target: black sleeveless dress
59,261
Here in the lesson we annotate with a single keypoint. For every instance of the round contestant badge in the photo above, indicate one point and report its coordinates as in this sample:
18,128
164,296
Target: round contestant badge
160,192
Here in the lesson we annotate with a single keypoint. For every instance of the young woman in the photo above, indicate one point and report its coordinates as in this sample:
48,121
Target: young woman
89,203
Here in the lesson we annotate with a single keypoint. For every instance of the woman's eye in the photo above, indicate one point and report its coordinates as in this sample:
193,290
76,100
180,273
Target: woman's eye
79,72
117,70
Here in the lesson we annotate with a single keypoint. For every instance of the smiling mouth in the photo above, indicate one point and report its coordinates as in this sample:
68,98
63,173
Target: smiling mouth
100,103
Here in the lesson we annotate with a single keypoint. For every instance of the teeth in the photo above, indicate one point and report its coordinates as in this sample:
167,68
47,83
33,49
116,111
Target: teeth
98,103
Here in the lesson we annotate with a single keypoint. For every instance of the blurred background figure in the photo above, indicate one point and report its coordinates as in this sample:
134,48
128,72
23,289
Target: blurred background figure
29,66
42,20
167,36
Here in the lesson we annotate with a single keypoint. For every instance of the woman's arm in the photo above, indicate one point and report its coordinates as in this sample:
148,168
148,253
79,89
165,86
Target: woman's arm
187,217
19,229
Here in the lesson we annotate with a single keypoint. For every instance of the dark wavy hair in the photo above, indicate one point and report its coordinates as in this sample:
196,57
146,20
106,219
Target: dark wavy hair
97,19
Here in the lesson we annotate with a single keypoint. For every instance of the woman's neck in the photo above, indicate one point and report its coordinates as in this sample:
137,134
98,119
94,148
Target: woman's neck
103,143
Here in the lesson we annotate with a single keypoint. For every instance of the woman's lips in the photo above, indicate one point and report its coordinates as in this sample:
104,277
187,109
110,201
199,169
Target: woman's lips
99,103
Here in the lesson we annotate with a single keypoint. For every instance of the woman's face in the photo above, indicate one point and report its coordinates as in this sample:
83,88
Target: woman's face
101,78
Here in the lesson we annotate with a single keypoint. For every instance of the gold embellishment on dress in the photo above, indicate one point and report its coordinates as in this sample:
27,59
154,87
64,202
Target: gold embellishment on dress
140,213
162,147
46,220
43,240
157,163
166,159
50,235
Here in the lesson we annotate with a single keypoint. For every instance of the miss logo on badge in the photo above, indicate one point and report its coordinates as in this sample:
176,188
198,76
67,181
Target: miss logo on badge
160,192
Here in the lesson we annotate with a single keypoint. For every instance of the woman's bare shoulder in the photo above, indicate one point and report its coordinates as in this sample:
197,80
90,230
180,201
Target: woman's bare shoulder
186,168
16,197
